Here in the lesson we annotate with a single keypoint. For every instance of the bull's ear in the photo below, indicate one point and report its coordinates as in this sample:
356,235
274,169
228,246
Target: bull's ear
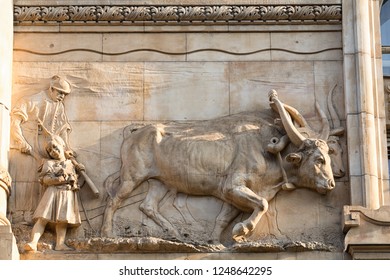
294,158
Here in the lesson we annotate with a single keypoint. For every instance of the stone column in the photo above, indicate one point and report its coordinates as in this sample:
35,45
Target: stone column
6,47
5,191
368,216
8,248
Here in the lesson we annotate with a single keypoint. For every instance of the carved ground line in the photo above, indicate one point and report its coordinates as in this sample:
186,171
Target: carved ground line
177,14
176,53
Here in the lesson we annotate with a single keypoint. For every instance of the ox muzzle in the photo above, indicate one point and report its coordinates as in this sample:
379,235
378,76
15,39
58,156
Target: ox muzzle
325,188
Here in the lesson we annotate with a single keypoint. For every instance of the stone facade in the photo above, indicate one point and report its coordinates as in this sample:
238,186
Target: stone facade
189,62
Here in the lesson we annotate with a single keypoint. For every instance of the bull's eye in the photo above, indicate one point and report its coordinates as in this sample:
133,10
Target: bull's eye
331,151
320,161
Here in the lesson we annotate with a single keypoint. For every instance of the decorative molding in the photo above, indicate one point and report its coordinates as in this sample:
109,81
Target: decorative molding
367,232
176,53
386,87
258,14
354,214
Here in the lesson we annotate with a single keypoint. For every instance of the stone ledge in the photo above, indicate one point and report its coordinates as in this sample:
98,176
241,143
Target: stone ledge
367,232
145,248
111,248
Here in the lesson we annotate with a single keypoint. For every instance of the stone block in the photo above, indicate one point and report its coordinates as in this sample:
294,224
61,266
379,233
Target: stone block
354,142
186,91
250,83
349,22
112,91
57,47
228,46
109,91
144,47
327,75
350,87
8,247
306,46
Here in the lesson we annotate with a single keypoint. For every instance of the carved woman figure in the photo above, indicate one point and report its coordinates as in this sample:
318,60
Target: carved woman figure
59,203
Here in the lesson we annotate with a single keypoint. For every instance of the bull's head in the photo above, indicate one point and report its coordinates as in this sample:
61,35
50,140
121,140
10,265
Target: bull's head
327,134
312,161
335,153
313,164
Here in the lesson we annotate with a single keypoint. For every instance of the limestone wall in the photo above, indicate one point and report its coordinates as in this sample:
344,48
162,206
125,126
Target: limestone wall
153,71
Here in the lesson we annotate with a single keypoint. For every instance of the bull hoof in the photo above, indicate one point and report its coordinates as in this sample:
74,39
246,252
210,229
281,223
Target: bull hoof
239,231
30,247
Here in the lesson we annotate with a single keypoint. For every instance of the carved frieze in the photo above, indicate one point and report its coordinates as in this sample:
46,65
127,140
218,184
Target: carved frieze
228,158
179,14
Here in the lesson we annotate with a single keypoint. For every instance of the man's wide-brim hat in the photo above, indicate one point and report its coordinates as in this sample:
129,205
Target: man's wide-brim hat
60,84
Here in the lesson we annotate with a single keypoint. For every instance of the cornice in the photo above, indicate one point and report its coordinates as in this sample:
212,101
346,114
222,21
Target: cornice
174,15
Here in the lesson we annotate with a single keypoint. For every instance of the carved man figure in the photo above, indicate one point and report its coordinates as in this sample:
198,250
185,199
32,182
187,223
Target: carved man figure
28,117
59,203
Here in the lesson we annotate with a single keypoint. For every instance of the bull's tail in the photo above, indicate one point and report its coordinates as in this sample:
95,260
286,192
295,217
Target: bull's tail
111,184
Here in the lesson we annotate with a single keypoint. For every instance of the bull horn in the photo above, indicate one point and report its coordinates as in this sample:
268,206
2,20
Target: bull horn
296,116
336,123
294,135
324,134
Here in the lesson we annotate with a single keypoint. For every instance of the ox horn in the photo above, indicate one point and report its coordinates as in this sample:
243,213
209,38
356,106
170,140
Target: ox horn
332,112
337,128
296,116
288,125
324,134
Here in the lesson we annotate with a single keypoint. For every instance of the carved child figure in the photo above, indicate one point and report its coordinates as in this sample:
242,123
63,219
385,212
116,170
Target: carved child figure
59,204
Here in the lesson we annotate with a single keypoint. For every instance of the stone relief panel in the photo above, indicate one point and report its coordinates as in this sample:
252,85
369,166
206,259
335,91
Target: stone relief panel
218,158
113,101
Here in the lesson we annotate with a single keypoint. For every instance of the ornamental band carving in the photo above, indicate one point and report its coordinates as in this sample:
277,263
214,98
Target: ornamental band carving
179,14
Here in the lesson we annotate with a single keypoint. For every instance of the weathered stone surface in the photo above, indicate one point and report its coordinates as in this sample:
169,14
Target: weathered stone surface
186,91
8,246
125,71
98,130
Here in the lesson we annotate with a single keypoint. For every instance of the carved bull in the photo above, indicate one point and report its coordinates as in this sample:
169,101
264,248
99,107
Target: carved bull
226,158
329,133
